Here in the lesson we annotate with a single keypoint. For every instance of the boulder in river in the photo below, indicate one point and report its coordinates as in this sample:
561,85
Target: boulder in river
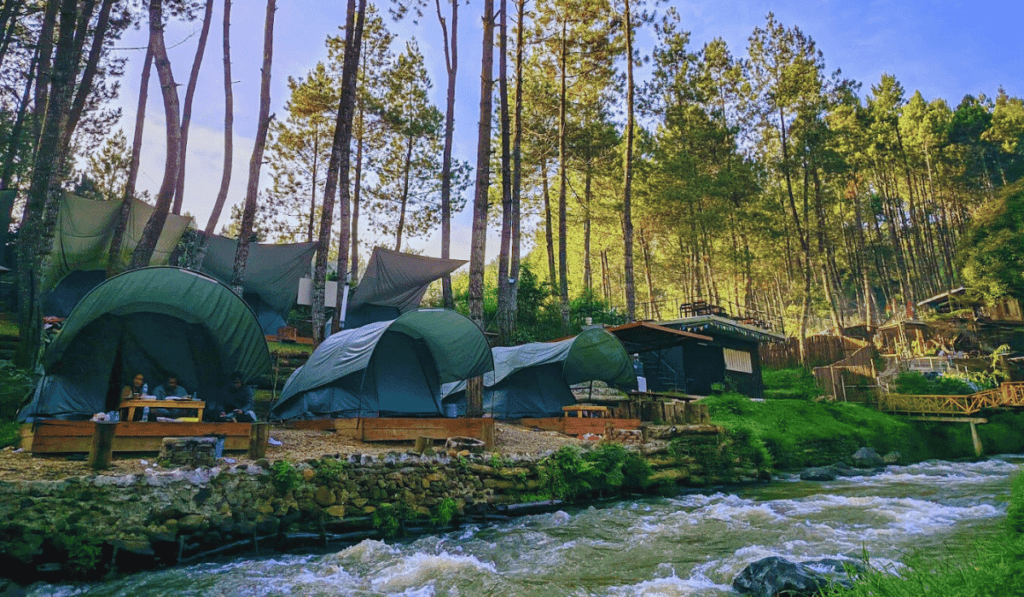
821,473
894,457
867,458
773,576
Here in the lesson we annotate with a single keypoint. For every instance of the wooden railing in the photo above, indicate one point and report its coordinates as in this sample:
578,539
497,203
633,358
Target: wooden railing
1008,395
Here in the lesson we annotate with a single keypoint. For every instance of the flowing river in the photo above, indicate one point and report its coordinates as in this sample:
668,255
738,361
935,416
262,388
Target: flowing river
691,544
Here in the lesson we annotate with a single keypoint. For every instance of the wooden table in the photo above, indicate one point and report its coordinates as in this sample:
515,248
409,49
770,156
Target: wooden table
584,410
131,405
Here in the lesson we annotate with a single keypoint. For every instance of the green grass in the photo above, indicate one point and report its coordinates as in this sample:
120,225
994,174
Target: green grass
795,383
990,566
286,347
9,328
801,433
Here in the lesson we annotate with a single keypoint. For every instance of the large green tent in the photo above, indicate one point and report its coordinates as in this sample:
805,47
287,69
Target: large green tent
387,368
532,380
154,321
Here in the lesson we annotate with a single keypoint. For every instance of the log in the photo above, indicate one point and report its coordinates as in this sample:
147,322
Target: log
259,433
102,448
422,444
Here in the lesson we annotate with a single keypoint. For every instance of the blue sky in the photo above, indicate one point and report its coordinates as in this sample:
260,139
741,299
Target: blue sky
944,48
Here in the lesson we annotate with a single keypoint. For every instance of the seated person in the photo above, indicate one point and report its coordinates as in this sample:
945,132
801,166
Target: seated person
171,389
133,391
237,404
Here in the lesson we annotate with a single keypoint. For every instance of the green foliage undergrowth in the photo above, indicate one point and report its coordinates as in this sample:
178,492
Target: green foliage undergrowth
573,473
911,382
284,476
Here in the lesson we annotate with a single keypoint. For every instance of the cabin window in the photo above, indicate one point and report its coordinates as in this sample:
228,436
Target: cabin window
737,360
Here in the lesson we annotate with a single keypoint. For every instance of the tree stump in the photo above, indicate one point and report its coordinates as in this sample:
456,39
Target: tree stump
102,448
423,444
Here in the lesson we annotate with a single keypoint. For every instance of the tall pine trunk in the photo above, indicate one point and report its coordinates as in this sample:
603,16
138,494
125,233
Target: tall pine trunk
563,179
245,235
229,119
37,225
451,59
169,91
505,307
627,182
186,111
117,239
474,387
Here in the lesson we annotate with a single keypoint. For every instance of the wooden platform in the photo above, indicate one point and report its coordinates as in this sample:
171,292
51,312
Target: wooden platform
60,437
579,426
387,429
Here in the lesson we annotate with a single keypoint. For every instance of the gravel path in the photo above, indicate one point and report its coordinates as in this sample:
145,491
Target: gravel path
296,445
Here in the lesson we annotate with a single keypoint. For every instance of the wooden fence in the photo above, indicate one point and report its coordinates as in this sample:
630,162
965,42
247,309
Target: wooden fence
856,371
821,351
1009,395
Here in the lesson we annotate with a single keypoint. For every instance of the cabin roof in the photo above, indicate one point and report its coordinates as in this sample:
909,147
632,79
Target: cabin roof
714,324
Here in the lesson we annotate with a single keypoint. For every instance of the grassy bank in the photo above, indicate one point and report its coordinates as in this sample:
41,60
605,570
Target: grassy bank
991,566
798,432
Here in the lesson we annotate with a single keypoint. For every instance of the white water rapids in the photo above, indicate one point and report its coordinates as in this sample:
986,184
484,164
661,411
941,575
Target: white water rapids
692,544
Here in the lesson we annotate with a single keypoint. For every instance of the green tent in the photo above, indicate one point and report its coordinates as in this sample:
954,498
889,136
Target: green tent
532,380
387,368
154,321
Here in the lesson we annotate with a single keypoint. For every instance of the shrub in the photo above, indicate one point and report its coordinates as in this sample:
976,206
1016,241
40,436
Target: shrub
15,386
910,382
9,434
444,513
284,476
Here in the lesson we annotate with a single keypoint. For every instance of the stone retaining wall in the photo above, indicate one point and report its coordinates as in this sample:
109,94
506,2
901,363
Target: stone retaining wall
87,526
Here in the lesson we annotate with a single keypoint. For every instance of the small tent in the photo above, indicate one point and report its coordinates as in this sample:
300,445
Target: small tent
389,368
272,274
154,321
532,380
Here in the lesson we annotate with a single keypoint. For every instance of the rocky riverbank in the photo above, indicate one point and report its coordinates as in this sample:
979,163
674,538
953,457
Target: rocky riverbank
91,525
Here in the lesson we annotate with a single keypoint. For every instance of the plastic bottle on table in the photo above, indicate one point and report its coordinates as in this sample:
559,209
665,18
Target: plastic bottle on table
145,389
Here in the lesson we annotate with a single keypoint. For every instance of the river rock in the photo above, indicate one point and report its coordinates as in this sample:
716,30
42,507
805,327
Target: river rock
894,457
773,576
821,473
867,458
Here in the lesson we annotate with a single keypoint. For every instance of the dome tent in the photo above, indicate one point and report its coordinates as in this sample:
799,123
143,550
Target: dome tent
155,321
532,380
388,368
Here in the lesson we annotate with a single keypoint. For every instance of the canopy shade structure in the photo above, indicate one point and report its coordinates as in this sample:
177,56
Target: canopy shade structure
532,380
394,283
390,368
155,321
272,274
85,227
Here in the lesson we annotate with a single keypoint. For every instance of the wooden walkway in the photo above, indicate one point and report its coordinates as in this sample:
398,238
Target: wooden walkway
1008,396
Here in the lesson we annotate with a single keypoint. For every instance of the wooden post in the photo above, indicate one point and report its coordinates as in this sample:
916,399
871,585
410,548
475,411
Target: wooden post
102,449
422,443
977,440
259,433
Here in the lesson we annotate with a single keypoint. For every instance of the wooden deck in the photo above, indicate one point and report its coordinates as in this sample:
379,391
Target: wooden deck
1008,396
62,437
387,429
577,426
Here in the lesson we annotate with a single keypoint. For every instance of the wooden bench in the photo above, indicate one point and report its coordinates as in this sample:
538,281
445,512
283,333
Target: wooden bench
131,405
584,410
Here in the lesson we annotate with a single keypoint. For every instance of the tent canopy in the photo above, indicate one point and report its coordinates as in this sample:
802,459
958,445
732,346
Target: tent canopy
272,275
399,280
532,380
155,321
85,227
393,368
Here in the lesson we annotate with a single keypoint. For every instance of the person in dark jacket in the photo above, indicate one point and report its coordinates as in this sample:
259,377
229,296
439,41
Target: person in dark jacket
237,404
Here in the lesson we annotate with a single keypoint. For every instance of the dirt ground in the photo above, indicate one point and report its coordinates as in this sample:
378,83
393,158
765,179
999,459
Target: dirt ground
296,445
